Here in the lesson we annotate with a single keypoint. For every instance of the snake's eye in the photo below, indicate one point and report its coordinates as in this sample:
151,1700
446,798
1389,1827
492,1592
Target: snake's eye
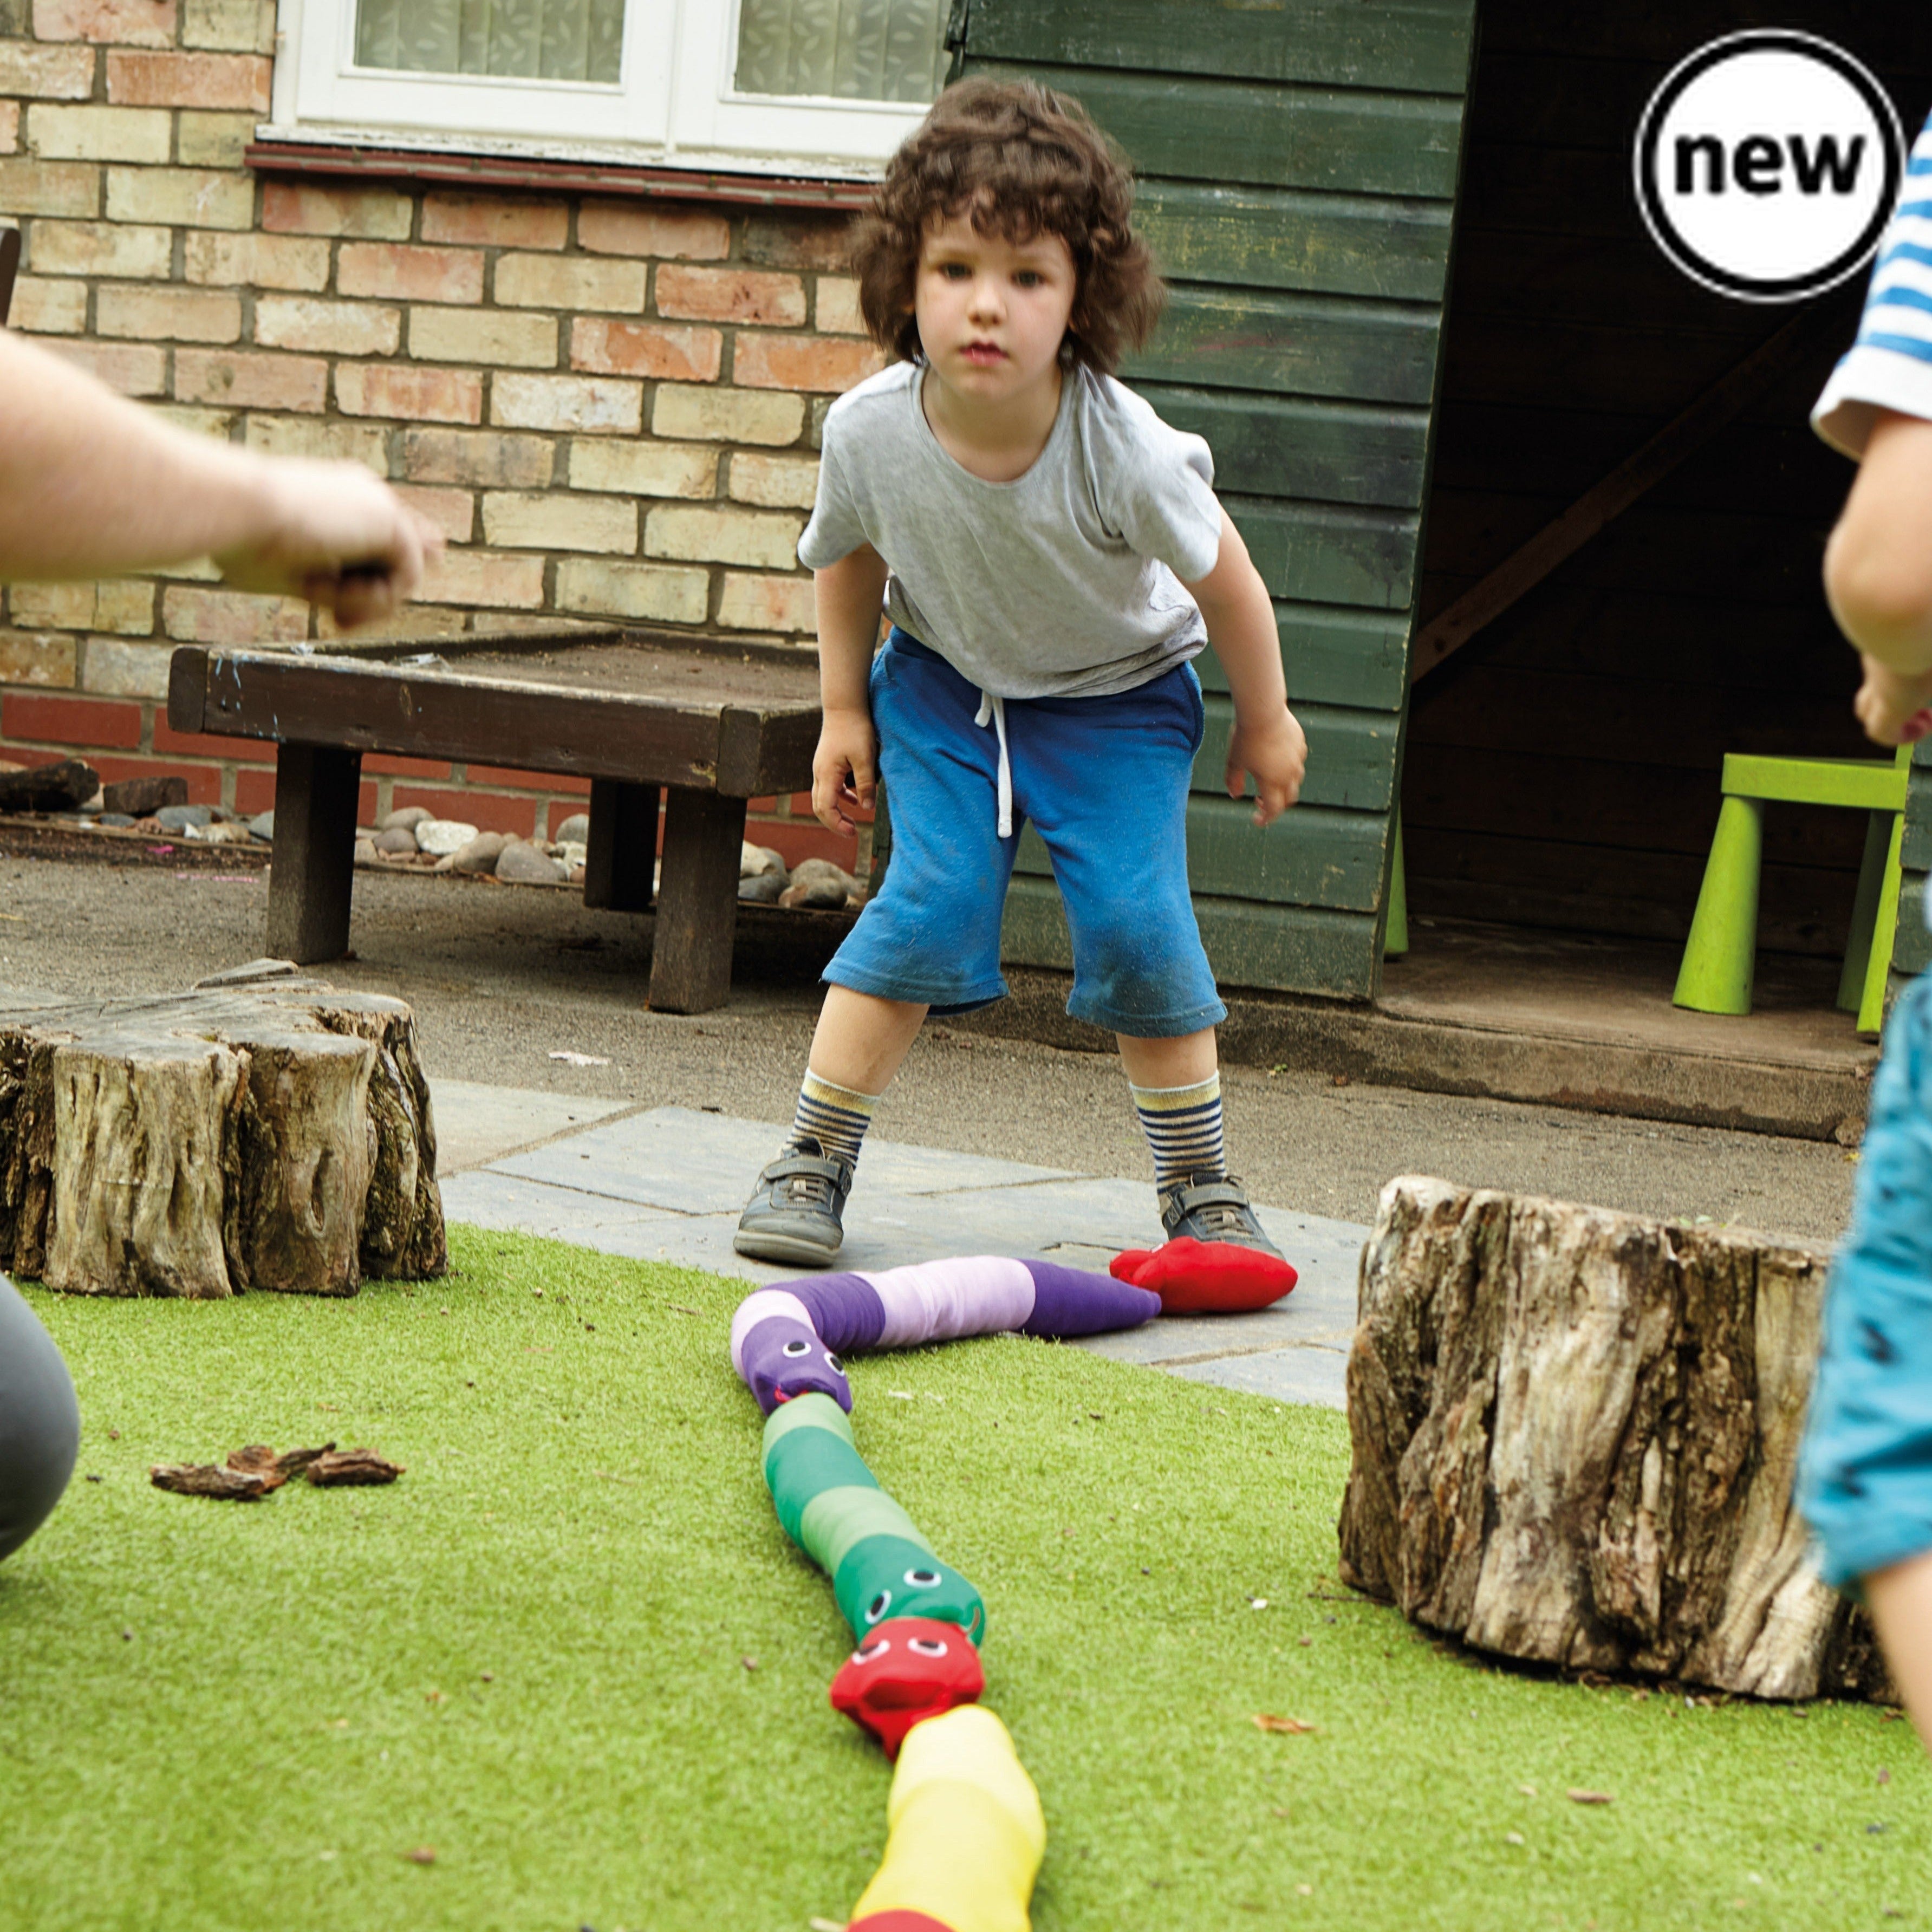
832,1363
871,1653
878,1607
795,1349
923,1580
926,1646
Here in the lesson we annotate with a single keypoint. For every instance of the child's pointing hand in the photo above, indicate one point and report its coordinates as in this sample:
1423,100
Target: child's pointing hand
1274,754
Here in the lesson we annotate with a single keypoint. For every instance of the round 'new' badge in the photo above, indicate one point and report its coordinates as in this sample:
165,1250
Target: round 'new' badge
1767,163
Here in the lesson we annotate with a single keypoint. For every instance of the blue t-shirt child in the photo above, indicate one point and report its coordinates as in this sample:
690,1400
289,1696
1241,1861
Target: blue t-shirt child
1865,1477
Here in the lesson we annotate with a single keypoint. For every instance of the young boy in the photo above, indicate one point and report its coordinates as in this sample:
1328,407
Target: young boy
1865,1482
1052,555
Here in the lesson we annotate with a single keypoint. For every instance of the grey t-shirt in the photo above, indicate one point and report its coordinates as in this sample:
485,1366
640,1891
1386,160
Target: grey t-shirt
1066,582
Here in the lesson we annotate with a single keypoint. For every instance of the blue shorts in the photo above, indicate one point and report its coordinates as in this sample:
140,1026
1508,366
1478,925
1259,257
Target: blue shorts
1104,781
1864,1480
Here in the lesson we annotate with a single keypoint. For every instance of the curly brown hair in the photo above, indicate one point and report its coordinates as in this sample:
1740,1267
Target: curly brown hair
1022,161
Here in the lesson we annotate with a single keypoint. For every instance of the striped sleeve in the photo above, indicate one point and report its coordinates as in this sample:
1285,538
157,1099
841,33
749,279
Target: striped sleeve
1889,366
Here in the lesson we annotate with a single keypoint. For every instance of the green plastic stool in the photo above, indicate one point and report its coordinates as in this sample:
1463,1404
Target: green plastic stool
1395,931
1720,956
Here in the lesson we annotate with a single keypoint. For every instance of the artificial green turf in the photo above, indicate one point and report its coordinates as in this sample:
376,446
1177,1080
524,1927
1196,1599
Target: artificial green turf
530,1654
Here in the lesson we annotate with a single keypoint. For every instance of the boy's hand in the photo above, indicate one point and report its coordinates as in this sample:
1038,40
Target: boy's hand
1892,704
1274,754
844,769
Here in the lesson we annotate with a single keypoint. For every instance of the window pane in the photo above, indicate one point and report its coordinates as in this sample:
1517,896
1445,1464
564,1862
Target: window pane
850,49
528,40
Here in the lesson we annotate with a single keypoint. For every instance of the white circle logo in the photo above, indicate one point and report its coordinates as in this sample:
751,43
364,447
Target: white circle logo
1767,163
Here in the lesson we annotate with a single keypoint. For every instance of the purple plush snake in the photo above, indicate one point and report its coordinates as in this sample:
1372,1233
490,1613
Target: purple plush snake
786,1339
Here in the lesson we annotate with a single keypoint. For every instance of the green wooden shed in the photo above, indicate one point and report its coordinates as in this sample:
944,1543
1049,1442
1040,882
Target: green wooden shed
1415,313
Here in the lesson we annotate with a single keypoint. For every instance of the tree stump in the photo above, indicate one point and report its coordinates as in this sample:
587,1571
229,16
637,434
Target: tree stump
1574,1433
261,1131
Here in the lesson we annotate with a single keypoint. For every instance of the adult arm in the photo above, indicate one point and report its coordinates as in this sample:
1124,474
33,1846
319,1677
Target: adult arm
1878,576
1267,744
844,769
94,485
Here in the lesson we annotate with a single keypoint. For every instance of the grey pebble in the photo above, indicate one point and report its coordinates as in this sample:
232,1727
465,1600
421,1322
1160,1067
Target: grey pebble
442,836
396,838
755,861
408,816
762,888
262,825
575,830
480,854
179,817
526,865
817,882
119,819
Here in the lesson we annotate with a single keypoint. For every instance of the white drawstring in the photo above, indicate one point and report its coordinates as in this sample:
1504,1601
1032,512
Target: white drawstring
995,708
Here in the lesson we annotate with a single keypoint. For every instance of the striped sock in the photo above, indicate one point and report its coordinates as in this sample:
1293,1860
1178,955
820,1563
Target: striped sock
1183,1125
834,1116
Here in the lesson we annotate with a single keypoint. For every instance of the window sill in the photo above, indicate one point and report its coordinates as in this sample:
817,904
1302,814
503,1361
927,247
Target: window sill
294,152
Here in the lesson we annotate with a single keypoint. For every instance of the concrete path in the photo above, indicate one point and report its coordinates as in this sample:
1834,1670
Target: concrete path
666,1183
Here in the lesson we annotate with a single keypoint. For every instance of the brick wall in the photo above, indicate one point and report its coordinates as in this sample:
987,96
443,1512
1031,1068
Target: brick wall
610,406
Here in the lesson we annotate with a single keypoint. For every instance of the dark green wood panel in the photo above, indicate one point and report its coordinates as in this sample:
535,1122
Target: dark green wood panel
1350,754
1328,452
1306,551
1912,951
1291,345
1313,951
1266,136
1420,46
1311,856
1248,944
1353,658
1914,849
1356,658
1278,238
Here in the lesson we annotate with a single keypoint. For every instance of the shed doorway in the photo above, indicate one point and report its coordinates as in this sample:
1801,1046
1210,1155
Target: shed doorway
1562,768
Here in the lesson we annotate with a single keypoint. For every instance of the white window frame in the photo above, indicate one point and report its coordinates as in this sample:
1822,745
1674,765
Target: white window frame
676,106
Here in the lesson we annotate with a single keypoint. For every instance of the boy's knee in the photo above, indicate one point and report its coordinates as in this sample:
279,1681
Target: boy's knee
39,1422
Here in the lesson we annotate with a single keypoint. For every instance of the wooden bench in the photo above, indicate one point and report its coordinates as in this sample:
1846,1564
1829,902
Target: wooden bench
635,714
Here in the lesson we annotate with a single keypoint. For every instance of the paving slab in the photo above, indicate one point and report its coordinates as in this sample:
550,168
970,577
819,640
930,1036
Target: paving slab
667,1183
696,1162
476,1122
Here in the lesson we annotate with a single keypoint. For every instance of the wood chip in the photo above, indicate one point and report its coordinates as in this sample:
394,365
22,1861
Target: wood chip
1576,1797
289,1462
204,1479
336,1467
1263,1721
422,1855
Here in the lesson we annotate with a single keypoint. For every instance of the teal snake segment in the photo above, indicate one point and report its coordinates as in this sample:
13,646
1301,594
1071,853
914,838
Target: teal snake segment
830,1505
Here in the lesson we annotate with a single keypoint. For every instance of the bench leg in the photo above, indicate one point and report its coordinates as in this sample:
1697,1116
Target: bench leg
697,902
1864,912
623,846
313,867
1884,931
1720,956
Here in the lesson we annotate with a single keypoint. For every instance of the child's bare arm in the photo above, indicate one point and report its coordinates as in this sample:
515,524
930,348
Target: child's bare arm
1267,744
94,485
1878,575
844,769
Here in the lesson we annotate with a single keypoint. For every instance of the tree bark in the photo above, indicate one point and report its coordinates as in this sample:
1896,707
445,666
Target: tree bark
1574,1435
258,1131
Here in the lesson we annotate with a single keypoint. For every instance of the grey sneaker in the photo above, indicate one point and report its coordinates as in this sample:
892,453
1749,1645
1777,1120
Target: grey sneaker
793,1214
1213,1208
